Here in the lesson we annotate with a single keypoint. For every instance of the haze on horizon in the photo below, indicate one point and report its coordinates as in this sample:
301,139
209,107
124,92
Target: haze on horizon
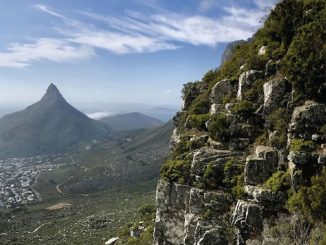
119,51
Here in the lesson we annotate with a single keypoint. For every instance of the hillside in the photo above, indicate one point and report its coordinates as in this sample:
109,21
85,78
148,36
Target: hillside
103,189
48,126
130,121
130,157
248,155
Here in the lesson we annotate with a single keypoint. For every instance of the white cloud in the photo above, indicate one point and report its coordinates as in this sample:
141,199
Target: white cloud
56,50
168,91
171,28
47,10
135,32
206,5
100,114
263,4
120,43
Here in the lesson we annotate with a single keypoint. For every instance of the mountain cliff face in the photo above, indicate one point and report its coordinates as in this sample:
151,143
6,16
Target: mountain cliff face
248,154
49,125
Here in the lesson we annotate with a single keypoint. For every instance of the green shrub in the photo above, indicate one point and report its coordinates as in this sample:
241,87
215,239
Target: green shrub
302,145
318,234
213,175
232,169
198,121
218,127
228,99
262,139
304,63
200,104
323,130
147,209
279,120
176,170
238,189
311,200
279,181
243,108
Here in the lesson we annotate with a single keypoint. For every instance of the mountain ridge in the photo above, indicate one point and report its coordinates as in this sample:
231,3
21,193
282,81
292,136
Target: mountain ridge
130,121
49,125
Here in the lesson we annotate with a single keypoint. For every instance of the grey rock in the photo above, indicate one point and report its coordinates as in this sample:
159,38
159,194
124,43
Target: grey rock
221,89
247,216
237,144
198,141
306,120
261,166
171,200
270,68
215,236
276,93
300,158
245,81
206,155
265,196
175,139
322,155
215,145
262,51
112,241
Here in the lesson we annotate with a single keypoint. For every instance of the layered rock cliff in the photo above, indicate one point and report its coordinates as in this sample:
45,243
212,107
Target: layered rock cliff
248,152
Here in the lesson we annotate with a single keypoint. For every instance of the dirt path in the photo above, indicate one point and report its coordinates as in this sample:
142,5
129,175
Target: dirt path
58,185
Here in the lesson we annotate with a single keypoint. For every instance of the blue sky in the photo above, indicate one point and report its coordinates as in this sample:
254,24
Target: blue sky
104,51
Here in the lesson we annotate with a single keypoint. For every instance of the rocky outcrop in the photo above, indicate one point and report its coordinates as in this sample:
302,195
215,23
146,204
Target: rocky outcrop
260,166
246,80
248,145
248,218
221,89
183,215
306,120
276,94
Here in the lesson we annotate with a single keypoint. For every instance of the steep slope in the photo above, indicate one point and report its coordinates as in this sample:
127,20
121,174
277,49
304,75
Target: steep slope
135,156
249,150
130,121
49,125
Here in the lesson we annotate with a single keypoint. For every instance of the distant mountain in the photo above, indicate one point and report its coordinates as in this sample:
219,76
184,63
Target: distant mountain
47,126
229,50
130,121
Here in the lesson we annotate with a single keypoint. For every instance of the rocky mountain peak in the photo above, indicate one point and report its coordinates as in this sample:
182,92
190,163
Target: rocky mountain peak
52,94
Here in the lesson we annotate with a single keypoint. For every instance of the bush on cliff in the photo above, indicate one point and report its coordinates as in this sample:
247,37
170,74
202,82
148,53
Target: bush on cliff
218,127
311,200
176,170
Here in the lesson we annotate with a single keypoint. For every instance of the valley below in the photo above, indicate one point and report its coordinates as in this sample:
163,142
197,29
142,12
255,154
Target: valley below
86,195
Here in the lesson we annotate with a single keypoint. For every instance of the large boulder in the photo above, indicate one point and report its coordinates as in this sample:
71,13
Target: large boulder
266,197
223,88
260,166
246,80
270,68
306,120
205,156
276,93
171,200
247,216
197,142
196,224
215,236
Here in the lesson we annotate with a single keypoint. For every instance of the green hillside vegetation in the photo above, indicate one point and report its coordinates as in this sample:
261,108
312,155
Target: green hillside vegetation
91,219
130,121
